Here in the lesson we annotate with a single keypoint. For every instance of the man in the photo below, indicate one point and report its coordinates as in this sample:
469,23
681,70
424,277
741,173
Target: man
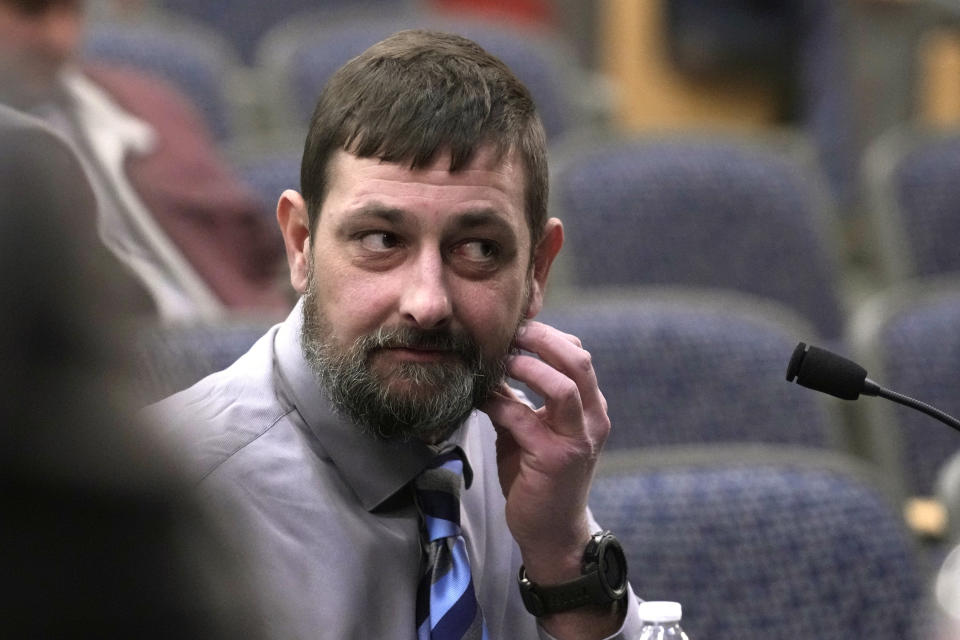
422,247
168,208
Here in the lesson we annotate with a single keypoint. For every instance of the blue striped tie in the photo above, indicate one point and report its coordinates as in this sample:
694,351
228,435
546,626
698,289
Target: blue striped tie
447,606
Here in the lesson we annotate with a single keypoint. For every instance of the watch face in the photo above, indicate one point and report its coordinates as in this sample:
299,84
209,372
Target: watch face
613,565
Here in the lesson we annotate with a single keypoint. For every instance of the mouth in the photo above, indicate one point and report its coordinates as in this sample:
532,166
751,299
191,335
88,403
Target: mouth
418,354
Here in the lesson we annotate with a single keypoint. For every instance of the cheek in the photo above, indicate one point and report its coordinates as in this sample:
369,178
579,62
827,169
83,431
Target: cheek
355,306
491,315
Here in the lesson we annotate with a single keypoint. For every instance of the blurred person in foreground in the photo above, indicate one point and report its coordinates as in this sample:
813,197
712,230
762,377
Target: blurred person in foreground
100,537
168,207
421,245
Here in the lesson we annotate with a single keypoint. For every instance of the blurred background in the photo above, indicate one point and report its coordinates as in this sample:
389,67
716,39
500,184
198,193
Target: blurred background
733,176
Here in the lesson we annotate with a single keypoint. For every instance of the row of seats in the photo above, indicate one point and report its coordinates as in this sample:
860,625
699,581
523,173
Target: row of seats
248,21
684,367
692,367
277,88
294,43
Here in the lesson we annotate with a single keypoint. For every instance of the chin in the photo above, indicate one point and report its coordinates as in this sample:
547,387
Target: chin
400,386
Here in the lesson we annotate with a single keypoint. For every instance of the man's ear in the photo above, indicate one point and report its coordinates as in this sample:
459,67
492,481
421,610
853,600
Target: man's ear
295,227
543,255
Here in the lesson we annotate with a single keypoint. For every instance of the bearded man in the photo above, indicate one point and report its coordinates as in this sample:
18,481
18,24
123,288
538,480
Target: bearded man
396,487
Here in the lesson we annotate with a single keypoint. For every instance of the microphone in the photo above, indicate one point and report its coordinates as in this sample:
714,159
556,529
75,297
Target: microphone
822,370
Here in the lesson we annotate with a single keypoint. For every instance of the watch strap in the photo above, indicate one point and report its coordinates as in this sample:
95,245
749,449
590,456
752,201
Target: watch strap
582,591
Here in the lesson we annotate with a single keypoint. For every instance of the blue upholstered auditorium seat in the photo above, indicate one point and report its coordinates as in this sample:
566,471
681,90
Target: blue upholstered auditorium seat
269,174
196,61
245,22
683,368
305,51
914,201
764,544
724,213
908,339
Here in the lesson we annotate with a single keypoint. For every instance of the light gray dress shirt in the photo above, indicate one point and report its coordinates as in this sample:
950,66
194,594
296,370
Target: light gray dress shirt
329,511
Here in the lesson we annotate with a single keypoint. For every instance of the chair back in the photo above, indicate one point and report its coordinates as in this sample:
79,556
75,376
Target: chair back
723,213
246,22
196,61
764,543
908,339
914,202
682,367
305,51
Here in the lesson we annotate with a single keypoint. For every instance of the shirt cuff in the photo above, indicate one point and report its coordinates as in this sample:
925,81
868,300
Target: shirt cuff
629,630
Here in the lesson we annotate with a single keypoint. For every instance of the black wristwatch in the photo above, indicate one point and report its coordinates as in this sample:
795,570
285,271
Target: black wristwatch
604,580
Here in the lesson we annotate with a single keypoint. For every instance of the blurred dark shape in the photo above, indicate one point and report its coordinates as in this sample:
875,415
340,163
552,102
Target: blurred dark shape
99,536
797,47
755,37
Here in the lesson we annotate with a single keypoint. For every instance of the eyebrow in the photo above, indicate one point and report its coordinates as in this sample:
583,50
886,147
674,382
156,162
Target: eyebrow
368,214
480,218
379,212
465,220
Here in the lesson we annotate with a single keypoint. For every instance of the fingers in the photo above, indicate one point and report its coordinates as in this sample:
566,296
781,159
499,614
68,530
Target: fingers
560,392
523,423
566,355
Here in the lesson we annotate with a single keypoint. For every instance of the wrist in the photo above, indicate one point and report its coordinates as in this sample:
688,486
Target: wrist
600,581
554,566
559,559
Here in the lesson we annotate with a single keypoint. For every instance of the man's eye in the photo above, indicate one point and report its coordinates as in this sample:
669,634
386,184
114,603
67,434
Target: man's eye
478,250
379,241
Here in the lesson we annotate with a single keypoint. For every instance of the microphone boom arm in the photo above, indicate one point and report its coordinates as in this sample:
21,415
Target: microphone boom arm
871,388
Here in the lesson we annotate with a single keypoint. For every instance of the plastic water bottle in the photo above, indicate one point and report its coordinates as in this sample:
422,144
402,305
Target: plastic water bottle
661,621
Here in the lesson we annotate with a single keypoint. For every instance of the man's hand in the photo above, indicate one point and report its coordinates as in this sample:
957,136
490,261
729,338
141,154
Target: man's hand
546,457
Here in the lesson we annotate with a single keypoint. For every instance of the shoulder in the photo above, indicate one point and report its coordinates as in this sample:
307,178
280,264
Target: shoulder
18,126
35,150
224,413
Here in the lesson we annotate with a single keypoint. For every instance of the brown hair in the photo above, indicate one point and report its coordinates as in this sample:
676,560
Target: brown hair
419,93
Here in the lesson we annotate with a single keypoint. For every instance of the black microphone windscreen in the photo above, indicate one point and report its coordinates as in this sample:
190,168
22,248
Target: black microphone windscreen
821,370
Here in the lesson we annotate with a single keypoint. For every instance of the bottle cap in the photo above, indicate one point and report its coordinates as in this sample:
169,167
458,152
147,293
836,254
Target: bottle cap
652,611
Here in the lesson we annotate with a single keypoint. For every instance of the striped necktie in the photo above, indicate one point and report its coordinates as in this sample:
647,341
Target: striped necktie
447,607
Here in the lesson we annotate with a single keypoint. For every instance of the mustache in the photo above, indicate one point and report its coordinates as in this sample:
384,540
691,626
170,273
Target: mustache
459,342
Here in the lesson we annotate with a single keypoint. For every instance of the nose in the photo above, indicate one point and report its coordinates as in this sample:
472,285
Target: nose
425,300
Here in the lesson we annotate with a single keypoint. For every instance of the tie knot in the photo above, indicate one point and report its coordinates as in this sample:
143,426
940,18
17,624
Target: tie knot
438,494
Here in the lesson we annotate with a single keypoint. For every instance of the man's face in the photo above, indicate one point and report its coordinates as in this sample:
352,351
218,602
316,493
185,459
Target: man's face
417,283
34,46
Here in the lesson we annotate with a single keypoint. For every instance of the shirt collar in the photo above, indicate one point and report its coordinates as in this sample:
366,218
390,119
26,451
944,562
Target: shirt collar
375,469
112,131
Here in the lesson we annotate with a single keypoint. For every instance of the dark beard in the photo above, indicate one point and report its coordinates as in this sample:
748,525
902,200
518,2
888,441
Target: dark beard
440,396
